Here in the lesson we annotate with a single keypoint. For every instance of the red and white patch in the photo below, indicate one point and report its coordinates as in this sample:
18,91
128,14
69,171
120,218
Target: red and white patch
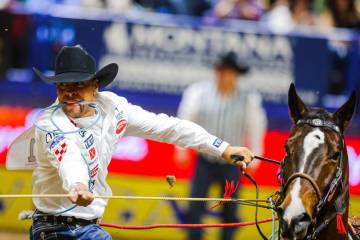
92,153
120,126
60,150
94,171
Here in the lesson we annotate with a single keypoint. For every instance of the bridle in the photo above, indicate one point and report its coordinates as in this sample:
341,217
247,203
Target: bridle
334,185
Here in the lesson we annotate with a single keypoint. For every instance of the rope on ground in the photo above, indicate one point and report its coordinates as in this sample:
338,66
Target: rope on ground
135,198
215,225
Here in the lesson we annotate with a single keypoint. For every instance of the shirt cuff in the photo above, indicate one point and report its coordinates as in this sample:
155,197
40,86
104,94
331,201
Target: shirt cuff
217,146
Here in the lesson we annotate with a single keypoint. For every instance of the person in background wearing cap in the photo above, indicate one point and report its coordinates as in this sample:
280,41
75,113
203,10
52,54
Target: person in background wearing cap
230,110
74,142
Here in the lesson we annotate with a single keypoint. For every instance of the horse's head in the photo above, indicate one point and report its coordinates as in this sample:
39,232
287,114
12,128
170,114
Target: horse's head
315,152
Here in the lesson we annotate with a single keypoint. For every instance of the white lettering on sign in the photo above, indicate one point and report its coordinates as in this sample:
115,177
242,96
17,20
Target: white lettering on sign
149,57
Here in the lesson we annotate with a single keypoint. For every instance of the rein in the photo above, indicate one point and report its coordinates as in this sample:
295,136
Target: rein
237,158
267,160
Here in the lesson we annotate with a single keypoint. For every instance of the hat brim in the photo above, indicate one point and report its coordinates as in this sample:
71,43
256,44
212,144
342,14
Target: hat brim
105,76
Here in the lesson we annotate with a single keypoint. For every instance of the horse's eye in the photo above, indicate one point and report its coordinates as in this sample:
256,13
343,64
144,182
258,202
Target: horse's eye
335,156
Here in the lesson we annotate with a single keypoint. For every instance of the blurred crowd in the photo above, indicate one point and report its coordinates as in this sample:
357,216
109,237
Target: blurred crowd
278,16
281,15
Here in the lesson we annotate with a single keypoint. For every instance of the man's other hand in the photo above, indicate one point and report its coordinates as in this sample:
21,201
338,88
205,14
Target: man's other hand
80,195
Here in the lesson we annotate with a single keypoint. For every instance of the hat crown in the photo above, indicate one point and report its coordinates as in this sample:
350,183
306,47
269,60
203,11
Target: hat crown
230,59
74,59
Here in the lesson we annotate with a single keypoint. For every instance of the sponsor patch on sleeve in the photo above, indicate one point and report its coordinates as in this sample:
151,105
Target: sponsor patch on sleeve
217,142
120,126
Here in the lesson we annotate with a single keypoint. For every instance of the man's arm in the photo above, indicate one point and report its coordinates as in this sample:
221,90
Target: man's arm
160,127
63,154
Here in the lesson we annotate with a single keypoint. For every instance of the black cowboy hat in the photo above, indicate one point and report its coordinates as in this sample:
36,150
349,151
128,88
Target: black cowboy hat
74,64
230,59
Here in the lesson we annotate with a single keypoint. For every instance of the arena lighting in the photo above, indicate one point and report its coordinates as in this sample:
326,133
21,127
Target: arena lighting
55,32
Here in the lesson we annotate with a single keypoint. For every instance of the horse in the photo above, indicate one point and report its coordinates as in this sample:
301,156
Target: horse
314,195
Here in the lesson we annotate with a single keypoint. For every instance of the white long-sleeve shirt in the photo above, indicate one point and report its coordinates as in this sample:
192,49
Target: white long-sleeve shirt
239,118
64,160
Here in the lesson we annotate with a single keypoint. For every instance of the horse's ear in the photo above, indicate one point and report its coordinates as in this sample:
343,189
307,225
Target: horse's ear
297,107
344,114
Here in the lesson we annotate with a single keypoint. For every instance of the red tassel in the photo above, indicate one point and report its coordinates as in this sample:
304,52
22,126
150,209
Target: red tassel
340,224
230,189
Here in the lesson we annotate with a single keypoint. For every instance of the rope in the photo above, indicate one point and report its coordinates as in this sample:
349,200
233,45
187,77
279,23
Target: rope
134,198
57,107
267,160
274,230
135,227
256,207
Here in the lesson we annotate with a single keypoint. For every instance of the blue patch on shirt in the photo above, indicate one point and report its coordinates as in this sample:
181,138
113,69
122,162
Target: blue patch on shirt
56,141
217,142
82,133
118,114
89,141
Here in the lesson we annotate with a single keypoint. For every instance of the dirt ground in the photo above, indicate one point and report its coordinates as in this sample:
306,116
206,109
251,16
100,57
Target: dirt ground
11,236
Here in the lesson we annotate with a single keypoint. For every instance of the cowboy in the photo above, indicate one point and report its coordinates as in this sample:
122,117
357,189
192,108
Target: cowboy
76,136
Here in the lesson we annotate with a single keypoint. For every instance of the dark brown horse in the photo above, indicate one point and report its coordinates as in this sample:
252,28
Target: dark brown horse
315,191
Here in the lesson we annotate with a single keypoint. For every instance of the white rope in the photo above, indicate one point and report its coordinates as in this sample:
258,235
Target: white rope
132,198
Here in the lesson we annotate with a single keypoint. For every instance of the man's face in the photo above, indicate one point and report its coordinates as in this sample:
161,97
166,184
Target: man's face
226,75
77,92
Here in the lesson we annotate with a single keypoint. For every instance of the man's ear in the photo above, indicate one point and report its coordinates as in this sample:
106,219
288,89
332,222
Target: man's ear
345,113
96,82
297,107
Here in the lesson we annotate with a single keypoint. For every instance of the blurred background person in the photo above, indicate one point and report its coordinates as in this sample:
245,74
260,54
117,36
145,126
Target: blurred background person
285,15
302,12
238,9
278,18
341,14
235,114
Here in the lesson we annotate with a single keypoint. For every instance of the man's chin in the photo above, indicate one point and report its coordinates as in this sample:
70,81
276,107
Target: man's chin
73,110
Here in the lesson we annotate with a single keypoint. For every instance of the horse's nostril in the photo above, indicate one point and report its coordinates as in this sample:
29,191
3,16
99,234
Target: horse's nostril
304,218
300,225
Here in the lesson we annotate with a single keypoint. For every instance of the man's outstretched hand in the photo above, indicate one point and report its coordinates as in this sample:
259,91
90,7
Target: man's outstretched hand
80,195
242,152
